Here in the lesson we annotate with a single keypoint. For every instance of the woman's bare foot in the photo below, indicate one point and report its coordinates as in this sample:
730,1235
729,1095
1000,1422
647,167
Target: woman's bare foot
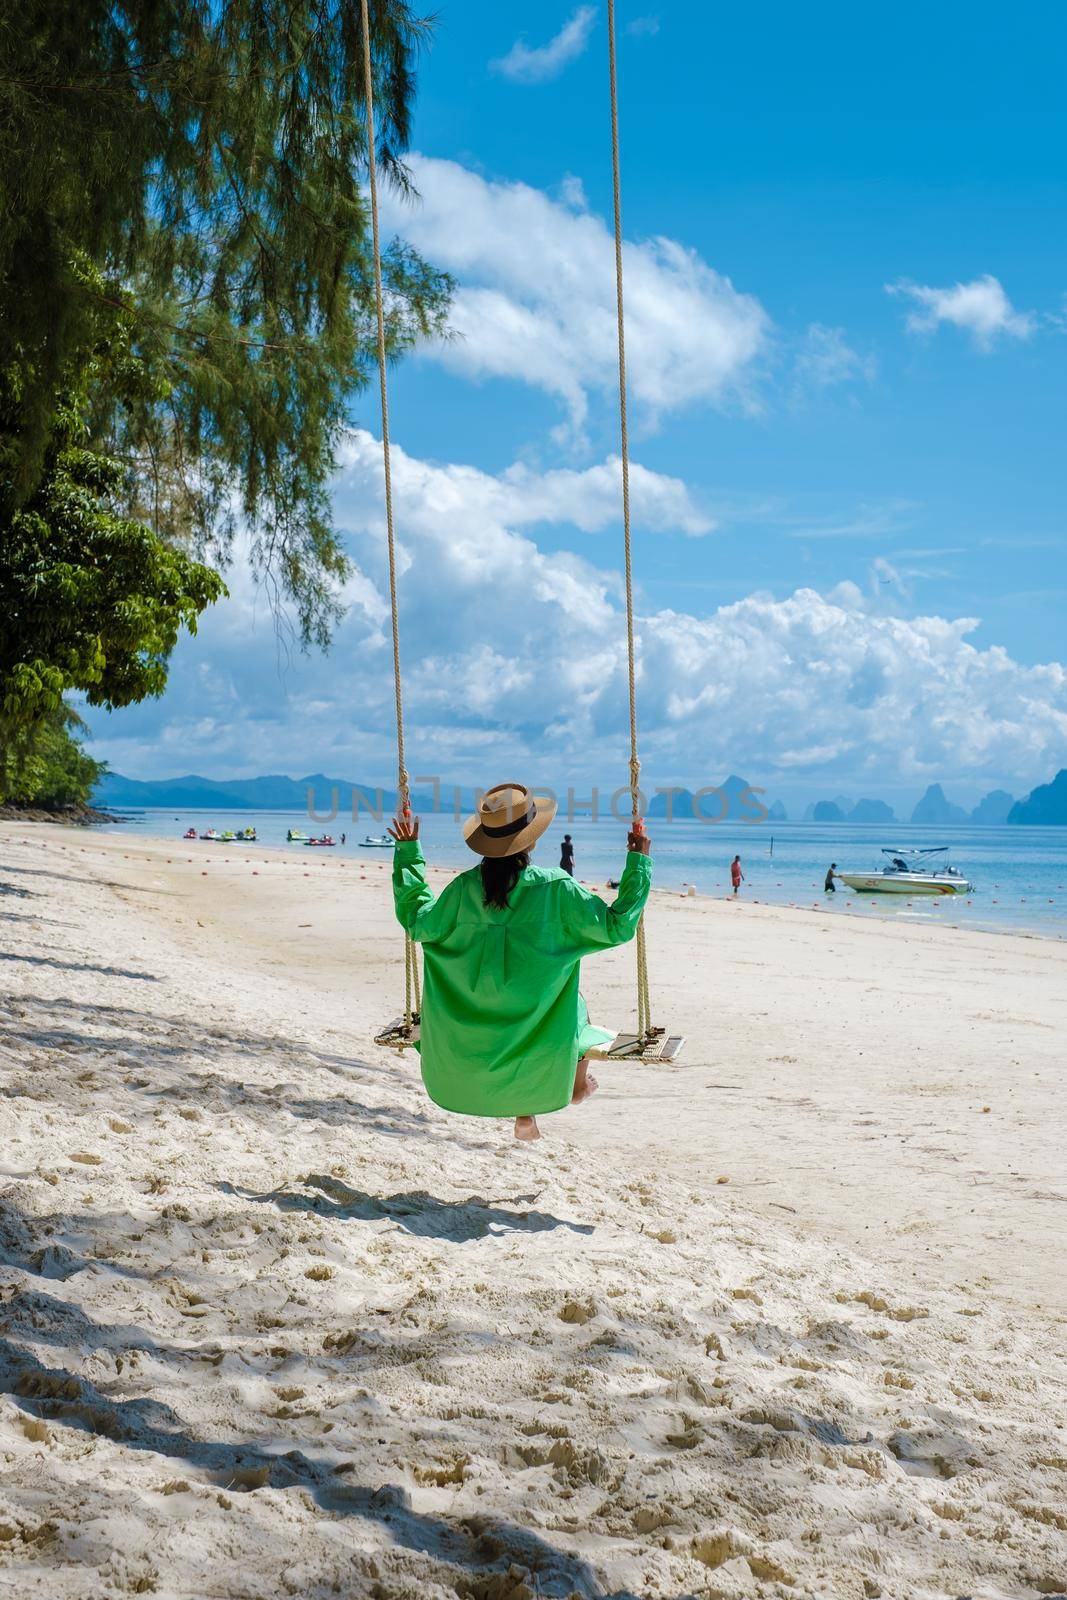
526,1129
584,1084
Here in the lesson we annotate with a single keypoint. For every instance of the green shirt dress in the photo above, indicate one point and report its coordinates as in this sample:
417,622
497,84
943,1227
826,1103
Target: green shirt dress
503,1023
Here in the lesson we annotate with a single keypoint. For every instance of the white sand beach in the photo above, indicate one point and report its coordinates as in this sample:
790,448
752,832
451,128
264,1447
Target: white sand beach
785,1319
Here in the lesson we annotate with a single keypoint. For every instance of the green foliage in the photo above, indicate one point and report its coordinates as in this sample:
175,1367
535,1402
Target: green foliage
207,159
46,766
90,599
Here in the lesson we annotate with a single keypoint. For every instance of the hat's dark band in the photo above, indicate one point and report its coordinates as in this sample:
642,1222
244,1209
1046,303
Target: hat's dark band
510,827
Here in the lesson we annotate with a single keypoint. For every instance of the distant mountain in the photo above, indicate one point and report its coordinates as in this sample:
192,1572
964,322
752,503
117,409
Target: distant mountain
731,801
841,801
681,804
935,808
272,793
186,793
871,811
827,811
993,808
1045,805
777,812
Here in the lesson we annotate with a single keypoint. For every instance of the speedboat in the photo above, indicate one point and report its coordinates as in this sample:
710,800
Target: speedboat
294,836
911,872
211,834
247,834
381,842
326,839
190,833
227,836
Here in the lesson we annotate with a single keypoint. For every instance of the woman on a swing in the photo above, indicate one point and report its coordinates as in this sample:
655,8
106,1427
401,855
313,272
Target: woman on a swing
504,1030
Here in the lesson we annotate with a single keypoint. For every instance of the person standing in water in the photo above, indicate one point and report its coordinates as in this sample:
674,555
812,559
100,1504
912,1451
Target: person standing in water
504,1028
737,877
829,887
566,855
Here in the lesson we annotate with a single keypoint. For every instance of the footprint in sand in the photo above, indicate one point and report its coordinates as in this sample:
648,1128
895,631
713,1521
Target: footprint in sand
578,1311
647,1519
747,1294
729,1549
688,1438
249,1478
932,1452
441,1477
898,1313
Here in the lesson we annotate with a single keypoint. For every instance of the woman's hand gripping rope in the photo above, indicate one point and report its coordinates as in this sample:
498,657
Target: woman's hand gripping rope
405,828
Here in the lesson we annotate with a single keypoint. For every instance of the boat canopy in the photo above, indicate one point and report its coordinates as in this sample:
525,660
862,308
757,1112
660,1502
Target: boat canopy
934,850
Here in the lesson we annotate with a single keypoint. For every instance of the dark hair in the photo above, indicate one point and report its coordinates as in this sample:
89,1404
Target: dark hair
500,874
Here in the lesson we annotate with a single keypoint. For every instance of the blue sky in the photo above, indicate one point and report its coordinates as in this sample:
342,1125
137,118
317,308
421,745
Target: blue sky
847,279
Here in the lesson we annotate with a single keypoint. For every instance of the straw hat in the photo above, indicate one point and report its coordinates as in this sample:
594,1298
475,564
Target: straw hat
509,819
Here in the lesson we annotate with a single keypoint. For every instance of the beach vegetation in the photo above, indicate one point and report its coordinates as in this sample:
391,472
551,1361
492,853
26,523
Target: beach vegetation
46,767
206,162
91,599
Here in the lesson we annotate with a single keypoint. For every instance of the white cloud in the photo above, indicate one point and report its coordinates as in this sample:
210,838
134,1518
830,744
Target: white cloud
515,660
868,694
643,26
572,193
525,65
980,307
589,498
536,300
865,522
824,358
885,575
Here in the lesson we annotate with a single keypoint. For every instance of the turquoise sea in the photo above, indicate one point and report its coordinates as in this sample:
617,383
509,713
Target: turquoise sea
1019,874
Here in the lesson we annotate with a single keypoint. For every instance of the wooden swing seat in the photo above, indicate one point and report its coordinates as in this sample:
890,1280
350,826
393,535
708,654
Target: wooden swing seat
655,1044
400,1034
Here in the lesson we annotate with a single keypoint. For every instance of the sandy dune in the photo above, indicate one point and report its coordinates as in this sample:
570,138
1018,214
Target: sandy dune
271,1324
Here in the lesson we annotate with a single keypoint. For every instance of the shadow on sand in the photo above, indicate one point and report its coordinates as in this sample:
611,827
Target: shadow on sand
151,1058
142,1061
480,1546
417,1212
78,966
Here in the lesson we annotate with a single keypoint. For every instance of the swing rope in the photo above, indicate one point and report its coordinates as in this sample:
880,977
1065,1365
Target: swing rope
412,1003
411,972
644,1010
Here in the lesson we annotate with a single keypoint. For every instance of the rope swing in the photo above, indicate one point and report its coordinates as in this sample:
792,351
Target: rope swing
644,1010
649,1043
403,1030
